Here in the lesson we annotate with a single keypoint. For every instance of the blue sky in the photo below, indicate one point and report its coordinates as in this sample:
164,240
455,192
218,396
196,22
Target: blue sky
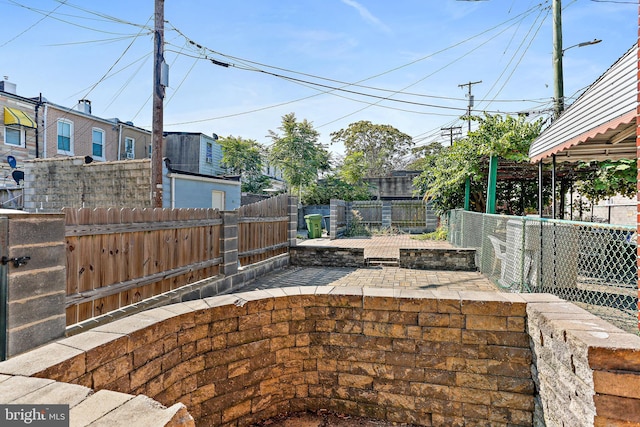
397,62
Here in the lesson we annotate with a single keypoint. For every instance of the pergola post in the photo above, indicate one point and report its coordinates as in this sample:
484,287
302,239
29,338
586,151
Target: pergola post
491,185
467,194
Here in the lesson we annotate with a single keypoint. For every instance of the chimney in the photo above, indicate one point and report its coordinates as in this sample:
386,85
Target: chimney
7,86
84,105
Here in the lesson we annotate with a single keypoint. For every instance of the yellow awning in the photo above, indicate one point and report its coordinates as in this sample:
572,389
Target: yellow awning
13,116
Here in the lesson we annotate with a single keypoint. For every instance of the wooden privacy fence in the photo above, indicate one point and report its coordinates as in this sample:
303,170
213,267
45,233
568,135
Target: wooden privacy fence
117,257
370,211
399,213
408,213
263,229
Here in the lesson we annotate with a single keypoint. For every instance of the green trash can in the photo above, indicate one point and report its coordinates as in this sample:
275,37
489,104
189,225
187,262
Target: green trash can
314,225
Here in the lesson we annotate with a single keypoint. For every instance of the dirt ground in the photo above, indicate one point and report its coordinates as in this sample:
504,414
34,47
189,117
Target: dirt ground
324,418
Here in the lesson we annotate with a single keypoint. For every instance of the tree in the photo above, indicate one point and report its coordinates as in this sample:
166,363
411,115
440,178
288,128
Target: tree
332,187
509,138
244,157
256,184
425,156
353,168
241,156
297,152
599,180
380,148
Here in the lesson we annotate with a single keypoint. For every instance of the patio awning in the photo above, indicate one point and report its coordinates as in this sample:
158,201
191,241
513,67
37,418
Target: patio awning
601,124
13,116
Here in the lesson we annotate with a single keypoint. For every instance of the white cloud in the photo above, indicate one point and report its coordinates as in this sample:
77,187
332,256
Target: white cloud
366,15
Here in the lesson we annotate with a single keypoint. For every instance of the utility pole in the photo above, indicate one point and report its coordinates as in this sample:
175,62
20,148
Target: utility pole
159,83
470,106
558,87
558,81
467,183
450,132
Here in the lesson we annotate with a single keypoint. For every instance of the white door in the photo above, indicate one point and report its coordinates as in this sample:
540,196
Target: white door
217,200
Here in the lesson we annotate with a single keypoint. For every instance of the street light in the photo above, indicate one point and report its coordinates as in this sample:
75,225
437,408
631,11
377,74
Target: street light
583,44
558,53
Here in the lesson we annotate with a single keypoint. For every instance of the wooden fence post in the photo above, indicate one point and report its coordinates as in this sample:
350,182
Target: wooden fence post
229,243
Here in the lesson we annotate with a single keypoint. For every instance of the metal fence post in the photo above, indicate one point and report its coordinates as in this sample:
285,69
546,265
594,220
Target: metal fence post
523,254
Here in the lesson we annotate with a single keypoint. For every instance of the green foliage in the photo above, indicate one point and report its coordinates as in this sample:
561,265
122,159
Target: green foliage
440,234
241,156
353,167
356,227
256,184
608,178
297,152
379,149
443,178
425,156
332,187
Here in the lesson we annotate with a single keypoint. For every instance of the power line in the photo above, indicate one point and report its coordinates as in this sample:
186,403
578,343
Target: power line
33,25
356,84
521,56
63,20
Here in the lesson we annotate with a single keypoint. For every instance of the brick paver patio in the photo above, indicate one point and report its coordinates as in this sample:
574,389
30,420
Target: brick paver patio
383,277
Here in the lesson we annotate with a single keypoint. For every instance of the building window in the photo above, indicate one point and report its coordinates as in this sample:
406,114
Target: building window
97,143
65,137
209,154
14,136
130,148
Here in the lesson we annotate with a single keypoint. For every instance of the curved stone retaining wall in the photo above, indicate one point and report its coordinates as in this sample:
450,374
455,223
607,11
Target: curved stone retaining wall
427,358
423,357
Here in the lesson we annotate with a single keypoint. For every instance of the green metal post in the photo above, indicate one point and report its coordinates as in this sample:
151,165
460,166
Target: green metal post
491,185
467,194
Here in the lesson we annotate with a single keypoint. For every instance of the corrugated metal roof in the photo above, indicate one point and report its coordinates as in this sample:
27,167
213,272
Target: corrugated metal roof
600,123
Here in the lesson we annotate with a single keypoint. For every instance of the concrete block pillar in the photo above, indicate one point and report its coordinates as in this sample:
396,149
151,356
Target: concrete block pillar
386,214
229,243
33,281
333,219
293,220
431,219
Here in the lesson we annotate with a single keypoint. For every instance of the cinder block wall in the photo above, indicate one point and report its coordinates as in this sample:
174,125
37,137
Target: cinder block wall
35,290
53,184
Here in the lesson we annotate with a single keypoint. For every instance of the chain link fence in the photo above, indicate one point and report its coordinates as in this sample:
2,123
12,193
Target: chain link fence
591,264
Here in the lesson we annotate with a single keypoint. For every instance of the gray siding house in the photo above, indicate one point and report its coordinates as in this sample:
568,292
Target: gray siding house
194,152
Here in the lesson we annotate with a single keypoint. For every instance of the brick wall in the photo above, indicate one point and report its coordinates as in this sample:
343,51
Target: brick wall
425,259
324,256
51,184
438,259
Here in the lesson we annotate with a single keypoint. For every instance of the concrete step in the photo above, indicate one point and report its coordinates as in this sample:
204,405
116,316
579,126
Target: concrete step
386,262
